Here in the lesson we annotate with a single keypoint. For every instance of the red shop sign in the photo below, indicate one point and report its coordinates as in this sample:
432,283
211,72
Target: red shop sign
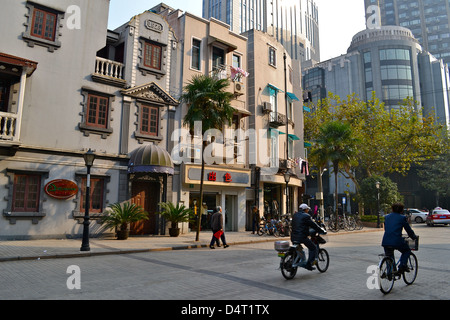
61,189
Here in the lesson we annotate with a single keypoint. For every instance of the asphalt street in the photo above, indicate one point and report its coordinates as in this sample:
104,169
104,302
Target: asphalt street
247,272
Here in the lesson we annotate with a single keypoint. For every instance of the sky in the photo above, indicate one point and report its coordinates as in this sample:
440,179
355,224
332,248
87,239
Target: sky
339,20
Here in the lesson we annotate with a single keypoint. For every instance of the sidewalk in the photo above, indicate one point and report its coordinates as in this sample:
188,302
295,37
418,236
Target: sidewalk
70,248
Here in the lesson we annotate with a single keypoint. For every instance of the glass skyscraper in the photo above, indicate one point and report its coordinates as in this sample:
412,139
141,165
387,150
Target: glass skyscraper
429,21
294,23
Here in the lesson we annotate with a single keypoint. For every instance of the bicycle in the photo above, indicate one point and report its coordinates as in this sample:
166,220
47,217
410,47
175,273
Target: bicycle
388,272
294,256
268,227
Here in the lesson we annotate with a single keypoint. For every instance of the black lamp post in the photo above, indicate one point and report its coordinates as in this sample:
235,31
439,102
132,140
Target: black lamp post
377,184
89,158
287,178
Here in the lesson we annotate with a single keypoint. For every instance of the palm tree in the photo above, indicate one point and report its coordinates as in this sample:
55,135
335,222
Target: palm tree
208,102
337,145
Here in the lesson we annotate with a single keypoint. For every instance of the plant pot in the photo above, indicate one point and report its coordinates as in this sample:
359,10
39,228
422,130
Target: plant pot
174,232
123,234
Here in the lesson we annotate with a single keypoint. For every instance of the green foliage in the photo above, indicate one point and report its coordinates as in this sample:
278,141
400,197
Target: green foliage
175,213
388,193
371,218
121,215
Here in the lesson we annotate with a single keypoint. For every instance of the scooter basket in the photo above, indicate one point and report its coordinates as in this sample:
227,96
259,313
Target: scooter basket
282,246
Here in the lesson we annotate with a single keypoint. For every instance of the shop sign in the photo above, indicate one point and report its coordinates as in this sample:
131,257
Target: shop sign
61,189
212,176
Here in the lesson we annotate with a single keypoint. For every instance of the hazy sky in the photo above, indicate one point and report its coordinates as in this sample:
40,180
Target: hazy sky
339,20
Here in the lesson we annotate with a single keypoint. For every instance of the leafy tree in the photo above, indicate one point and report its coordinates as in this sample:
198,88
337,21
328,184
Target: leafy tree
386,140
388,193
208,101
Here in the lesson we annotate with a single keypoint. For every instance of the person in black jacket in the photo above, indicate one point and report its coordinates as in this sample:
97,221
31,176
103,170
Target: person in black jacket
301,224
217,225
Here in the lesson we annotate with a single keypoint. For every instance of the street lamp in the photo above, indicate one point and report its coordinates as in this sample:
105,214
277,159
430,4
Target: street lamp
287,178
377,184
89,158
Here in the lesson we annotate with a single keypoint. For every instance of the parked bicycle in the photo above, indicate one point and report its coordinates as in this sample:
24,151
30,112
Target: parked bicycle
344,222
294,256
388,271
268,227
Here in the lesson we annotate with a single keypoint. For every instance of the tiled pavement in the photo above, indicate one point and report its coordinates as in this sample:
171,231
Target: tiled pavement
70,248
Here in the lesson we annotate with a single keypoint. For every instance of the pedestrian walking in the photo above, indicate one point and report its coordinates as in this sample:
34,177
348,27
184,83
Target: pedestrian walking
217,229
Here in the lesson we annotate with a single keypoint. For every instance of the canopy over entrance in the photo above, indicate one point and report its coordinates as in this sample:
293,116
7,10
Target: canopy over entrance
150,159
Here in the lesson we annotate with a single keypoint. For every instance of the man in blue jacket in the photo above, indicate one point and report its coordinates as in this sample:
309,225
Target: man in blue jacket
301,224
394,223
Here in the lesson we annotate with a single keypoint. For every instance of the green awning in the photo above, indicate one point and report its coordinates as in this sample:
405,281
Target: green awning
292,96
271,86
276,131
294,137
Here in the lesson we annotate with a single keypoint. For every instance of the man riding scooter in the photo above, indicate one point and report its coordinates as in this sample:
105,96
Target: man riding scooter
301,224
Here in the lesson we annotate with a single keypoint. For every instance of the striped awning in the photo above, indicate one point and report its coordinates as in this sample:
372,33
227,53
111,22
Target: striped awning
150,159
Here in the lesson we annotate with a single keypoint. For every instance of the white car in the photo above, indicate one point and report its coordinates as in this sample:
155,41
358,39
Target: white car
417,215
438,216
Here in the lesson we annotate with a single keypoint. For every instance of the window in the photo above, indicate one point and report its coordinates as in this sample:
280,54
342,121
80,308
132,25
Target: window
236,61
96,114
97,111
4,95
96,195
149,120
218,58
196,54
272,57
26,193
152,56
43,25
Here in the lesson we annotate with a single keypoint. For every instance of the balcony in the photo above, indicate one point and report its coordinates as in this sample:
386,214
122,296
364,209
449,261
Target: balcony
8,123
109,72
277,119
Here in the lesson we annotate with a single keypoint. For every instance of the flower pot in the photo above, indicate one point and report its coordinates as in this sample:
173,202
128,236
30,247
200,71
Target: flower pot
174,232
122,234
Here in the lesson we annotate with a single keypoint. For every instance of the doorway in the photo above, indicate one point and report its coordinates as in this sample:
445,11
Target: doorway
147,195
230,212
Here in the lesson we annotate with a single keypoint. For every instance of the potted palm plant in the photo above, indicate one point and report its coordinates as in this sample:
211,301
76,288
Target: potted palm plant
175,214
121,215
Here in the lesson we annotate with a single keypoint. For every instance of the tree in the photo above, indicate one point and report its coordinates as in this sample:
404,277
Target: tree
208,102
335,143
388,193
387,141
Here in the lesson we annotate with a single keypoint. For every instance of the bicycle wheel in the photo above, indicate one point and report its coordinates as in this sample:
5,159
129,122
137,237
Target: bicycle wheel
323,260
386,276
261,231
287,270
413,265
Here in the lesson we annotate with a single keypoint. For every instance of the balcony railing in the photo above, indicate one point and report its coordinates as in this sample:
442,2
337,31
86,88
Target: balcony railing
8,122
109,72
277,119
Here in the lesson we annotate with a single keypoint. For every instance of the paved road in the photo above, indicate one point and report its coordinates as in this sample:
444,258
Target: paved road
248,272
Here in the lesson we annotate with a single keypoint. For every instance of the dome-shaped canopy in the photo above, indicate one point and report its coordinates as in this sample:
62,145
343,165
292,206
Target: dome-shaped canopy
150,159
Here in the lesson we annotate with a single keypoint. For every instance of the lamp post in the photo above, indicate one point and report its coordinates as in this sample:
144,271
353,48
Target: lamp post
377,184
287,178
89,158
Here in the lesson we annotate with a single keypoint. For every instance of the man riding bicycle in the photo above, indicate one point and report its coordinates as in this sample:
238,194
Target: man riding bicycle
301,224
394,223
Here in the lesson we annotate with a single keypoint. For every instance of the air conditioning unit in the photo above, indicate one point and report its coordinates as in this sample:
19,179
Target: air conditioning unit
239,88
267,107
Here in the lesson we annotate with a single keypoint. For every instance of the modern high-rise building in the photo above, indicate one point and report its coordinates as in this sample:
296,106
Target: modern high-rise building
293,23
429,21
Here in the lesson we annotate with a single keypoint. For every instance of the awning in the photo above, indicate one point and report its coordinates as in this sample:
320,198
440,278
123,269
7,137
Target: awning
271,86
243,112
292,96
150,159
276,131
28,65
294,137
